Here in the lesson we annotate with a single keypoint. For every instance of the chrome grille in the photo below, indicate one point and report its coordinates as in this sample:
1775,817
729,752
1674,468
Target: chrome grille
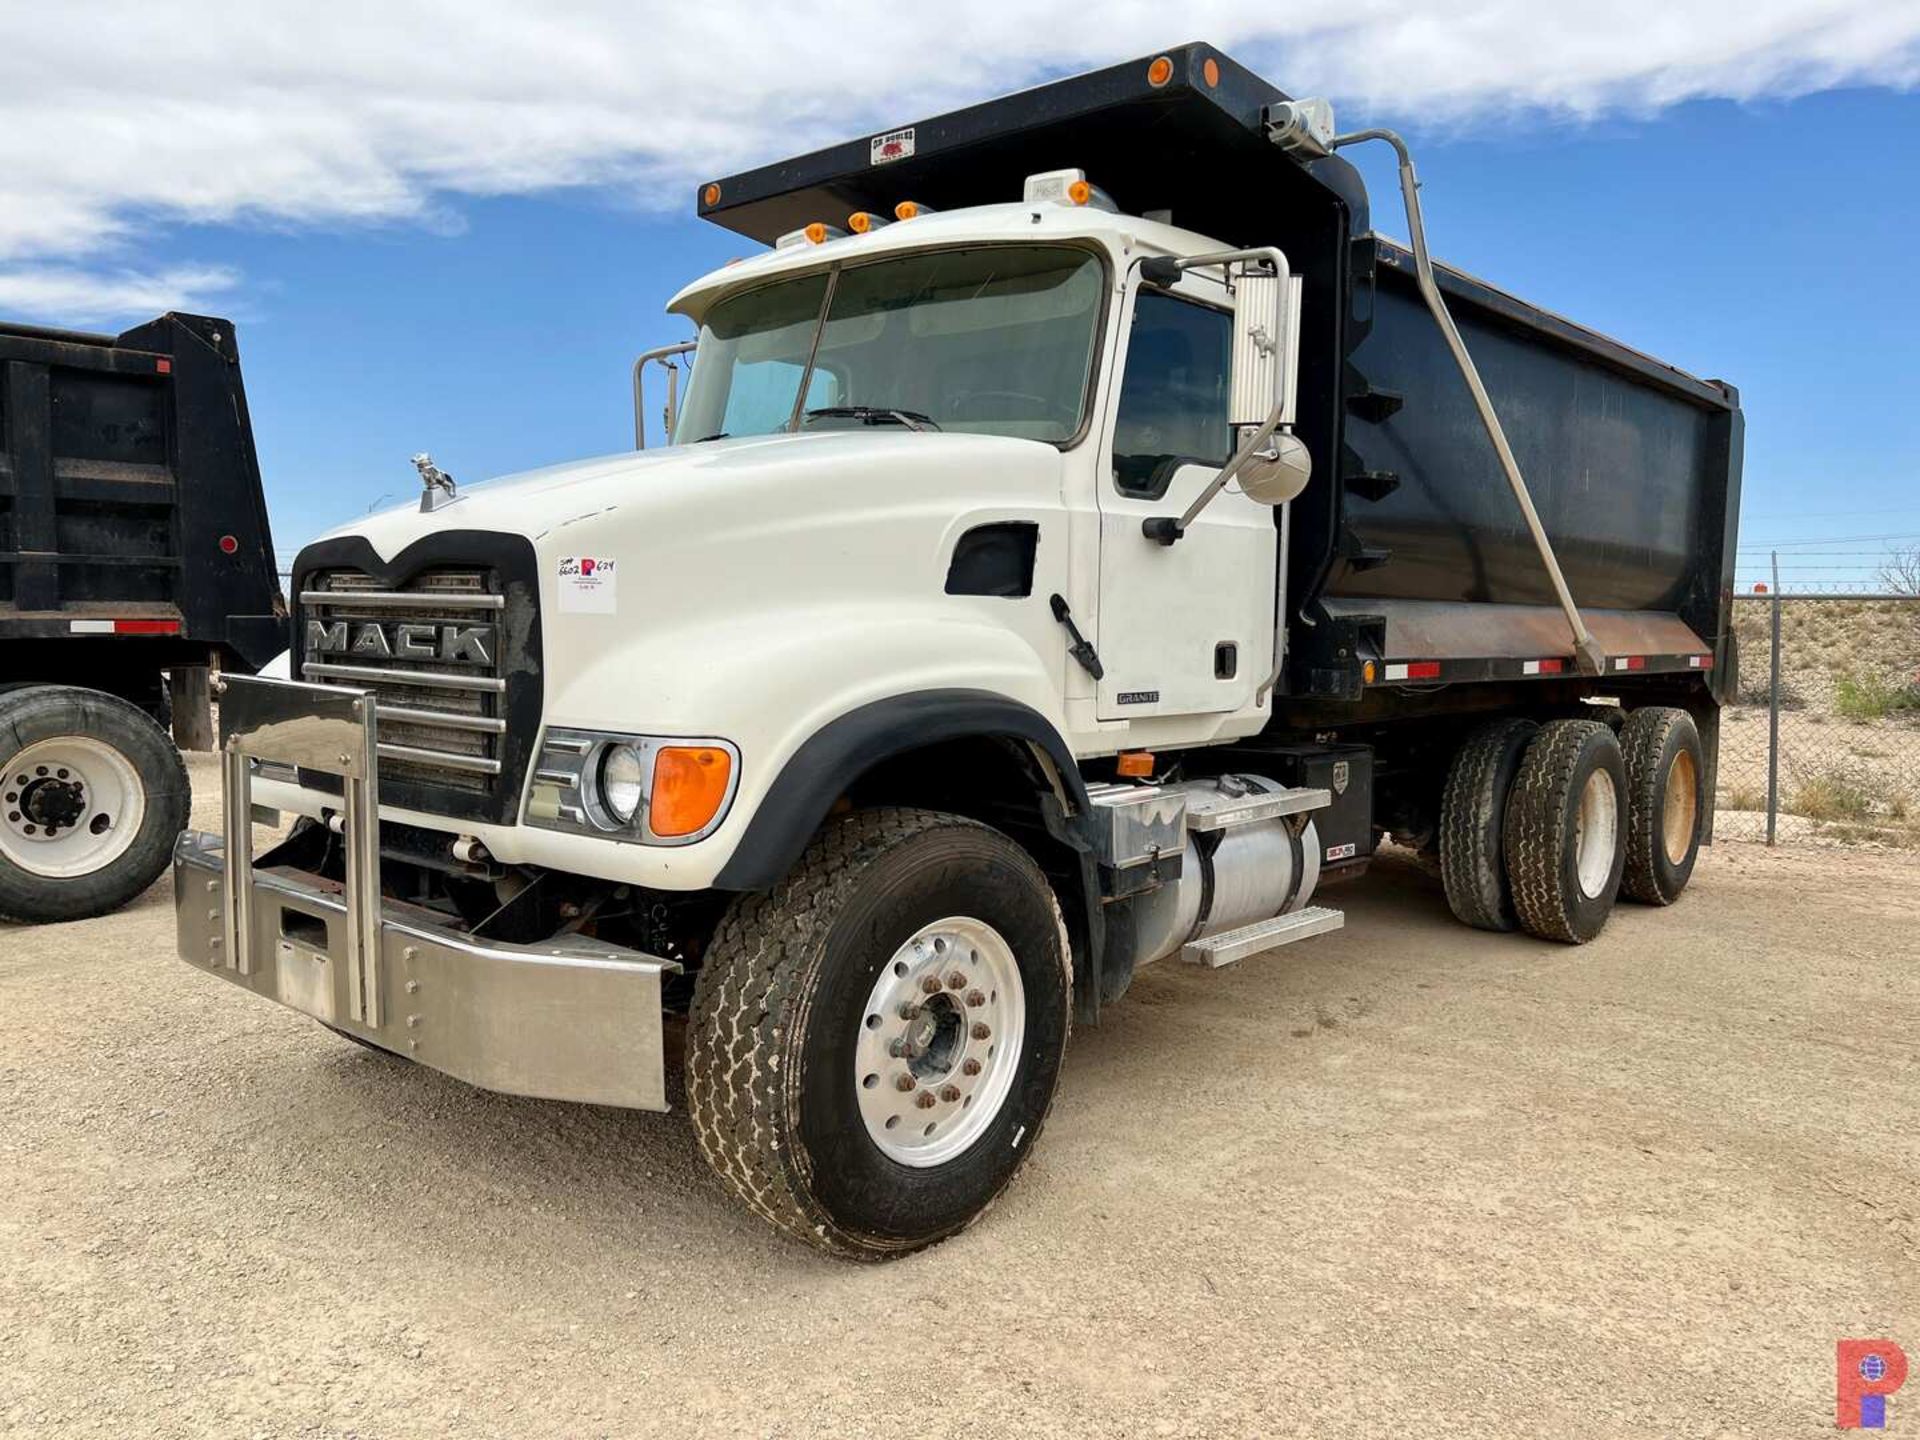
442,722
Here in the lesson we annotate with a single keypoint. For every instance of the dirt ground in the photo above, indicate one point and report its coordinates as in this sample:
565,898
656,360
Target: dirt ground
1403,1180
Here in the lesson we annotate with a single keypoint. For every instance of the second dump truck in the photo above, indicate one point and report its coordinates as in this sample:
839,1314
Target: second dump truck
1081,542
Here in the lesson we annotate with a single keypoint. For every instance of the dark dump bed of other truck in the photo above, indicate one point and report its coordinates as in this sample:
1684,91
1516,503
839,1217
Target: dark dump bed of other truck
1408,546
130,505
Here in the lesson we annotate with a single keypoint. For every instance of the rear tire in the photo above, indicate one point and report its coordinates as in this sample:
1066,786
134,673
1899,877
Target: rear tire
92,796
898,928
1473,815
1566,831
1666,803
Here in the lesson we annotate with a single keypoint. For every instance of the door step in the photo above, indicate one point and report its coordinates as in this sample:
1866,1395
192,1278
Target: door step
1230,946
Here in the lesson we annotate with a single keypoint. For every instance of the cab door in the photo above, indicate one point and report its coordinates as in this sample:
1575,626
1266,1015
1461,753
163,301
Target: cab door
1187,628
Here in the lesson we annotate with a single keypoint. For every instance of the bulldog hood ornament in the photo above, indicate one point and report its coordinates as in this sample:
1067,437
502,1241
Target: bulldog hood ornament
436,486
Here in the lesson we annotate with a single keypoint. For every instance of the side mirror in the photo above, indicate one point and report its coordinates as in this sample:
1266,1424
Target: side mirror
1262,357
1274,475
1265,350
1271,464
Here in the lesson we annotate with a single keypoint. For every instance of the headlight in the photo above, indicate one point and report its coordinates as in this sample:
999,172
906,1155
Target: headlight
638,788
622,782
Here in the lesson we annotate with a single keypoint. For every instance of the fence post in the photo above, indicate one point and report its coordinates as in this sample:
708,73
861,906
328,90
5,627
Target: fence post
1773,712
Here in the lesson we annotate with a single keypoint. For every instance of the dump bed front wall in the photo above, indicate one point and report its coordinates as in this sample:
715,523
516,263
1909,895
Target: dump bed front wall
1626,461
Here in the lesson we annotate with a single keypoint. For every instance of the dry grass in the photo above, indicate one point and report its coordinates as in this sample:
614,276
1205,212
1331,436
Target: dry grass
1849,727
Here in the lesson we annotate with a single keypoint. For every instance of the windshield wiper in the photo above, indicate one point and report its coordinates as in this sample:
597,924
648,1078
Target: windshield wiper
873,415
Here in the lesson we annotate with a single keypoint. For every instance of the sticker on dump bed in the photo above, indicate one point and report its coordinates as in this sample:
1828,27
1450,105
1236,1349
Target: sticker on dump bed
894,145
1341,852
586,584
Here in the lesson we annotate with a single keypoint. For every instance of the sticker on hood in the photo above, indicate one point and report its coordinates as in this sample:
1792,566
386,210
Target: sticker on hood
587,584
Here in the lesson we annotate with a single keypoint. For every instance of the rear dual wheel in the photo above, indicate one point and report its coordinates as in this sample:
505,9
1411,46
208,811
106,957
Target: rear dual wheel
1565,831
1666,803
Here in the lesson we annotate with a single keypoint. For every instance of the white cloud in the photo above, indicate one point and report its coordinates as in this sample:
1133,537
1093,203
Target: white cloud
71,295
117,116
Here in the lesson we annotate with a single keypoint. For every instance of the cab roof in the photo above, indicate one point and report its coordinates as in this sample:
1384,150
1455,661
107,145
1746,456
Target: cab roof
1042,222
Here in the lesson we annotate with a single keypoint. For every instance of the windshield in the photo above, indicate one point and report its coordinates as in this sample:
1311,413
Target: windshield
997,340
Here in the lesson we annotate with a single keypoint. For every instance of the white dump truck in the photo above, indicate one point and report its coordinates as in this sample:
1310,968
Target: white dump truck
1081,541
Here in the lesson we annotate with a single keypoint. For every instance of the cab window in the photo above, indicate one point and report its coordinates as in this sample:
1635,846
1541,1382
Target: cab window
1173,396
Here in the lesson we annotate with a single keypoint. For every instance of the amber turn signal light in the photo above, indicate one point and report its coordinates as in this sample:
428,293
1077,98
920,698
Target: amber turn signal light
1135,764
690,783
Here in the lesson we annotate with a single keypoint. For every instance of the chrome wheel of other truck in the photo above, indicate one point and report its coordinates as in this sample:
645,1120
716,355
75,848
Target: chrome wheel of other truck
91,797
874,1044
1666,803
1565,831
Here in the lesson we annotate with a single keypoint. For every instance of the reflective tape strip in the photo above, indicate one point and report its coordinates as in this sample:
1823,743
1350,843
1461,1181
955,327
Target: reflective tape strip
1700,662
1629,662
1542,667
1414,670
123,627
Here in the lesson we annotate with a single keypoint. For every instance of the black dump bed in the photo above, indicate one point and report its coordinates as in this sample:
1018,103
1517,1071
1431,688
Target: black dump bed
1408,548
130,501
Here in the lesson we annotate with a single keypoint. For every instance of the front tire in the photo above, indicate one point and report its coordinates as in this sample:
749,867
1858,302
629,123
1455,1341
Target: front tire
92,796
874,1045
1566,828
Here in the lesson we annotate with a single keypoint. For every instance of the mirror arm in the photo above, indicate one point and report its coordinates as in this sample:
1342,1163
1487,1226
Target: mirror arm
1167,528
666,357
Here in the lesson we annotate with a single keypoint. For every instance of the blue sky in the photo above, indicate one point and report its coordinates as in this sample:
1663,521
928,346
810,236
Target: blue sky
459,300
1737,241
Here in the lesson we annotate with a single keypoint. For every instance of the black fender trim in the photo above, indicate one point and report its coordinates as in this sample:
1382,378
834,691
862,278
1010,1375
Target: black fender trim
836,755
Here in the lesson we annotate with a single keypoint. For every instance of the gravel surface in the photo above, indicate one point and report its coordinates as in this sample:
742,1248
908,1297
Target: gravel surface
1404,1180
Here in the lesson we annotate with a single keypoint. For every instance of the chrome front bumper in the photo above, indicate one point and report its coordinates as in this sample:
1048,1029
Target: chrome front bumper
563,1020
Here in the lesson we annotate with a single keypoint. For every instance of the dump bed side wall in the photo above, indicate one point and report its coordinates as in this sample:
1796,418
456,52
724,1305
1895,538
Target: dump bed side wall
1631,464
129,490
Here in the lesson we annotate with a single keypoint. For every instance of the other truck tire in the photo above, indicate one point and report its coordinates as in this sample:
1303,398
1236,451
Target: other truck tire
1566,831
1473,822
92,797
1666,803
873,1045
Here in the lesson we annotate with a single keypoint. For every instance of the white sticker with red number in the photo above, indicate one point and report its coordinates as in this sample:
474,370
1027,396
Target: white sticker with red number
587,584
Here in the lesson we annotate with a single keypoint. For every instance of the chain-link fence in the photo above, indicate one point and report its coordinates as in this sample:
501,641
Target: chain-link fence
1825,745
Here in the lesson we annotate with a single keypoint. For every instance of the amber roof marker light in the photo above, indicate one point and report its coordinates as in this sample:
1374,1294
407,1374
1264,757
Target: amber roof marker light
1160,71
1210,72
710,196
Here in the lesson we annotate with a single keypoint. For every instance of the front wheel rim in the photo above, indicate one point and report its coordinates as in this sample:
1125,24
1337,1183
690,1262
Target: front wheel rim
939,1042
69,806
1596,834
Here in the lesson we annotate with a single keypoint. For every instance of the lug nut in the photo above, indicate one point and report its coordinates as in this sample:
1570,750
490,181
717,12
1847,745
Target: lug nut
904,1083
956,981
950,1093
931,984
924,1100
975,999
897,1049
980,1032
970,1067
908,1010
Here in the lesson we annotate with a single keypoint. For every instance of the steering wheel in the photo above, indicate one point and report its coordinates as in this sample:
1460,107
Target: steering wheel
1044,408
